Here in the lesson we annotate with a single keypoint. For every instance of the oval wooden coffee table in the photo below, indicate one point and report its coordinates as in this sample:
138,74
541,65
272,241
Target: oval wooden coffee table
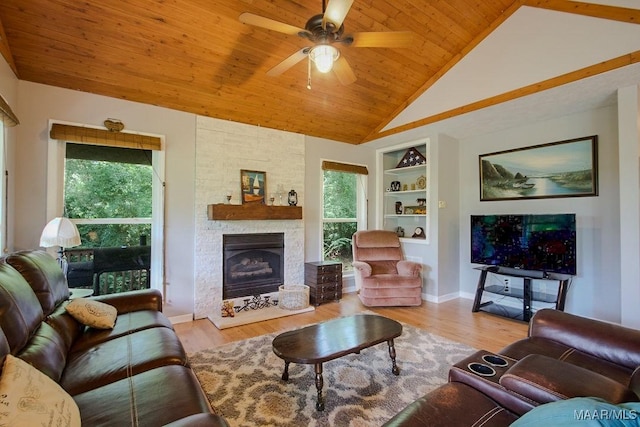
316,344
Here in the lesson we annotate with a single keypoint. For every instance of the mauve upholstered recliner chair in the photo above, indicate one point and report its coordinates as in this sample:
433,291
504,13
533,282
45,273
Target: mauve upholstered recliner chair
383,277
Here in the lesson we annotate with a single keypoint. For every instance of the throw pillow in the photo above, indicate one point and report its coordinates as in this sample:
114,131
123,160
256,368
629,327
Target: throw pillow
93,313
30,398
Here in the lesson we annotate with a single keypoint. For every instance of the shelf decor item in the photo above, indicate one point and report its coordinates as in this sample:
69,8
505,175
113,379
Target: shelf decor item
412,158
421,182
415,210
418,233
252,186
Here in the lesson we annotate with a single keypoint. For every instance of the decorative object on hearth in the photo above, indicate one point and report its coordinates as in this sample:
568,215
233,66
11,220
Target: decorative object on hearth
412,157
395,185
323,31
227,309
252,186
293,198
293,297
418,233
256,302
114,125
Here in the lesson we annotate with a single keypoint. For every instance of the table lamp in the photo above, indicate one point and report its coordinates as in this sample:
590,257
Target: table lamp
60,232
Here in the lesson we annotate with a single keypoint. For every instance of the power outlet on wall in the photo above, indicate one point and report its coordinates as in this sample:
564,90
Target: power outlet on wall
507,285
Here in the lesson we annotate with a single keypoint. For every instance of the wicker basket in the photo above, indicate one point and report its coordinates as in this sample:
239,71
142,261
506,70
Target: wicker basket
293,297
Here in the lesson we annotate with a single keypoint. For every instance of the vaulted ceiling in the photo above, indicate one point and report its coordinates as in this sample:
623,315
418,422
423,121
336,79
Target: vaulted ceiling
196,56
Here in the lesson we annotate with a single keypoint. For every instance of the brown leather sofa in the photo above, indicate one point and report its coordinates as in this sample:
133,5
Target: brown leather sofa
564,356
134,374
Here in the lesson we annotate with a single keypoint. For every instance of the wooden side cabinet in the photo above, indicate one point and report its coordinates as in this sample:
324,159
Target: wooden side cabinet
324,279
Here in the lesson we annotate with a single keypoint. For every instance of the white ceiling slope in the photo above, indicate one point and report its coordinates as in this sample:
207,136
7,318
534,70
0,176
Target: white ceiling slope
531,46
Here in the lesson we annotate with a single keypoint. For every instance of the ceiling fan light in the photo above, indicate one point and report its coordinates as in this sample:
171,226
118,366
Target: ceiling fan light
324,56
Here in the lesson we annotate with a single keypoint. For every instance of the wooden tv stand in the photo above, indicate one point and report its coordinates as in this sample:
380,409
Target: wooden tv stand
528,293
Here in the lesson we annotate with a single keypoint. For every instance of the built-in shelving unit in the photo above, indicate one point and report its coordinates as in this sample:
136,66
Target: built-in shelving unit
224,212
405,191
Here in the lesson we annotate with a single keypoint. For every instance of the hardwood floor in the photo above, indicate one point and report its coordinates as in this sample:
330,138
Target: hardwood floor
452,319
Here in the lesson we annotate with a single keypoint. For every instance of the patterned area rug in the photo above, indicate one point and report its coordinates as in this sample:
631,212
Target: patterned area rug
242,381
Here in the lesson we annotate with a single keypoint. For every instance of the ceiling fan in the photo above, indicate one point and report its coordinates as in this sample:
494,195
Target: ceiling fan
324,30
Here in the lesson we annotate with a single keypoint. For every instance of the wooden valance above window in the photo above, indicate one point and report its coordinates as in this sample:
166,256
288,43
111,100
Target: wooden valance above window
344,167
86,135
7,115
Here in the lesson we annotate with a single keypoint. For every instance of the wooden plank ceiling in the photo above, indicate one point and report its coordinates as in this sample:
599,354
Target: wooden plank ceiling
196,56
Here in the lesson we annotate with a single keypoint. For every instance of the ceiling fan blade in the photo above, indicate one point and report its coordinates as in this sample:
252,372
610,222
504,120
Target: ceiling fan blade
336,12
288,63
270,24
383,39
344,72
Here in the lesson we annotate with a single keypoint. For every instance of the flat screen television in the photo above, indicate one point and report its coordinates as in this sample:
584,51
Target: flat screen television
545,242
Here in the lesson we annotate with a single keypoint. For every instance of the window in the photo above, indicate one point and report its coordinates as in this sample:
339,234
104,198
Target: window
108,194
344,210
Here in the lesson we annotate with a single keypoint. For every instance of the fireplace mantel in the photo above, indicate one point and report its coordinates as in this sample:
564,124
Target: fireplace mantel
224,212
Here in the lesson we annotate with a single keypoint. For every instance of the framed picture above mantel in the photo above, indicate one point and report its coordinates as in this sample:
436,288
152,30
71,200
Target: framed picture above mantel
253,186
558,169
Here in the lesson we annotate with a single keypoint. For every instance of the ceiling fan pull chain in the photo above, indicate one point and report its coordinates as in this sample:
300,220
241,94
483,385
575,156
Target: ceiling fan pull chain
309,73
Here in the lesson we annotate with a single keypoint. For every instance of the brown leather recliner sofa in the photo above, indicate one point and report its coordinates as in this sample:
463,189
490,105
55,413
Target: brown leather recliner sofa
564,356
134,374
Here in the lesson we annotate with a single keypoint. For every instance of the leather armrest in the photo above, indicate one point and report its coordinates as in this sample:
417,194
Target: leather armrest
126,302
543,379
409,268
362,267
200,420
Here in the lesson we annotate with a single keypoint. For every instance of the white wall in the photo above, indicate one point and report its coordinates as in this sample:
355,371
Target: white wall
595,291
9,91
39,103
448,192
629,157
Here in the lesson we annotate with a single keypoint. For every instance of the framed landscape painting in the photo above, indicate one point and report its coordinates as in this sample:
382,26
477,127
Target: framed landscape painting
253,185
558,169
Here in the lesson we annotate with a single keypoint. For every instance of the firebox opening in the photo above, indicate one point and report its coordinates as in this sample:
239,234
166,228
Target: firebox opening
253,264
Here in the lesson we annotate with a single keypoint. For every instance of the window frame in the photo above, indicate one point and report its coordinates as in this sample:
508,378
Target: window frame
4,231
55,201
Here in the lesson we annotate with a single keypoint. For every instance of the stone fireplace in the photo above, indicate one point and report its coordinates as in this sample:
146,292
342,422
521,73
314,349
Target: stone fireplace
223,149
253,264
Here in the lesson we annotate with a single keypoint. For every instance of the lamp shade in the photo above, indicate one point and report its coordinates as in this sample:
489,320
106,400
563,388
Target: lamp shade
324,56
60,232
